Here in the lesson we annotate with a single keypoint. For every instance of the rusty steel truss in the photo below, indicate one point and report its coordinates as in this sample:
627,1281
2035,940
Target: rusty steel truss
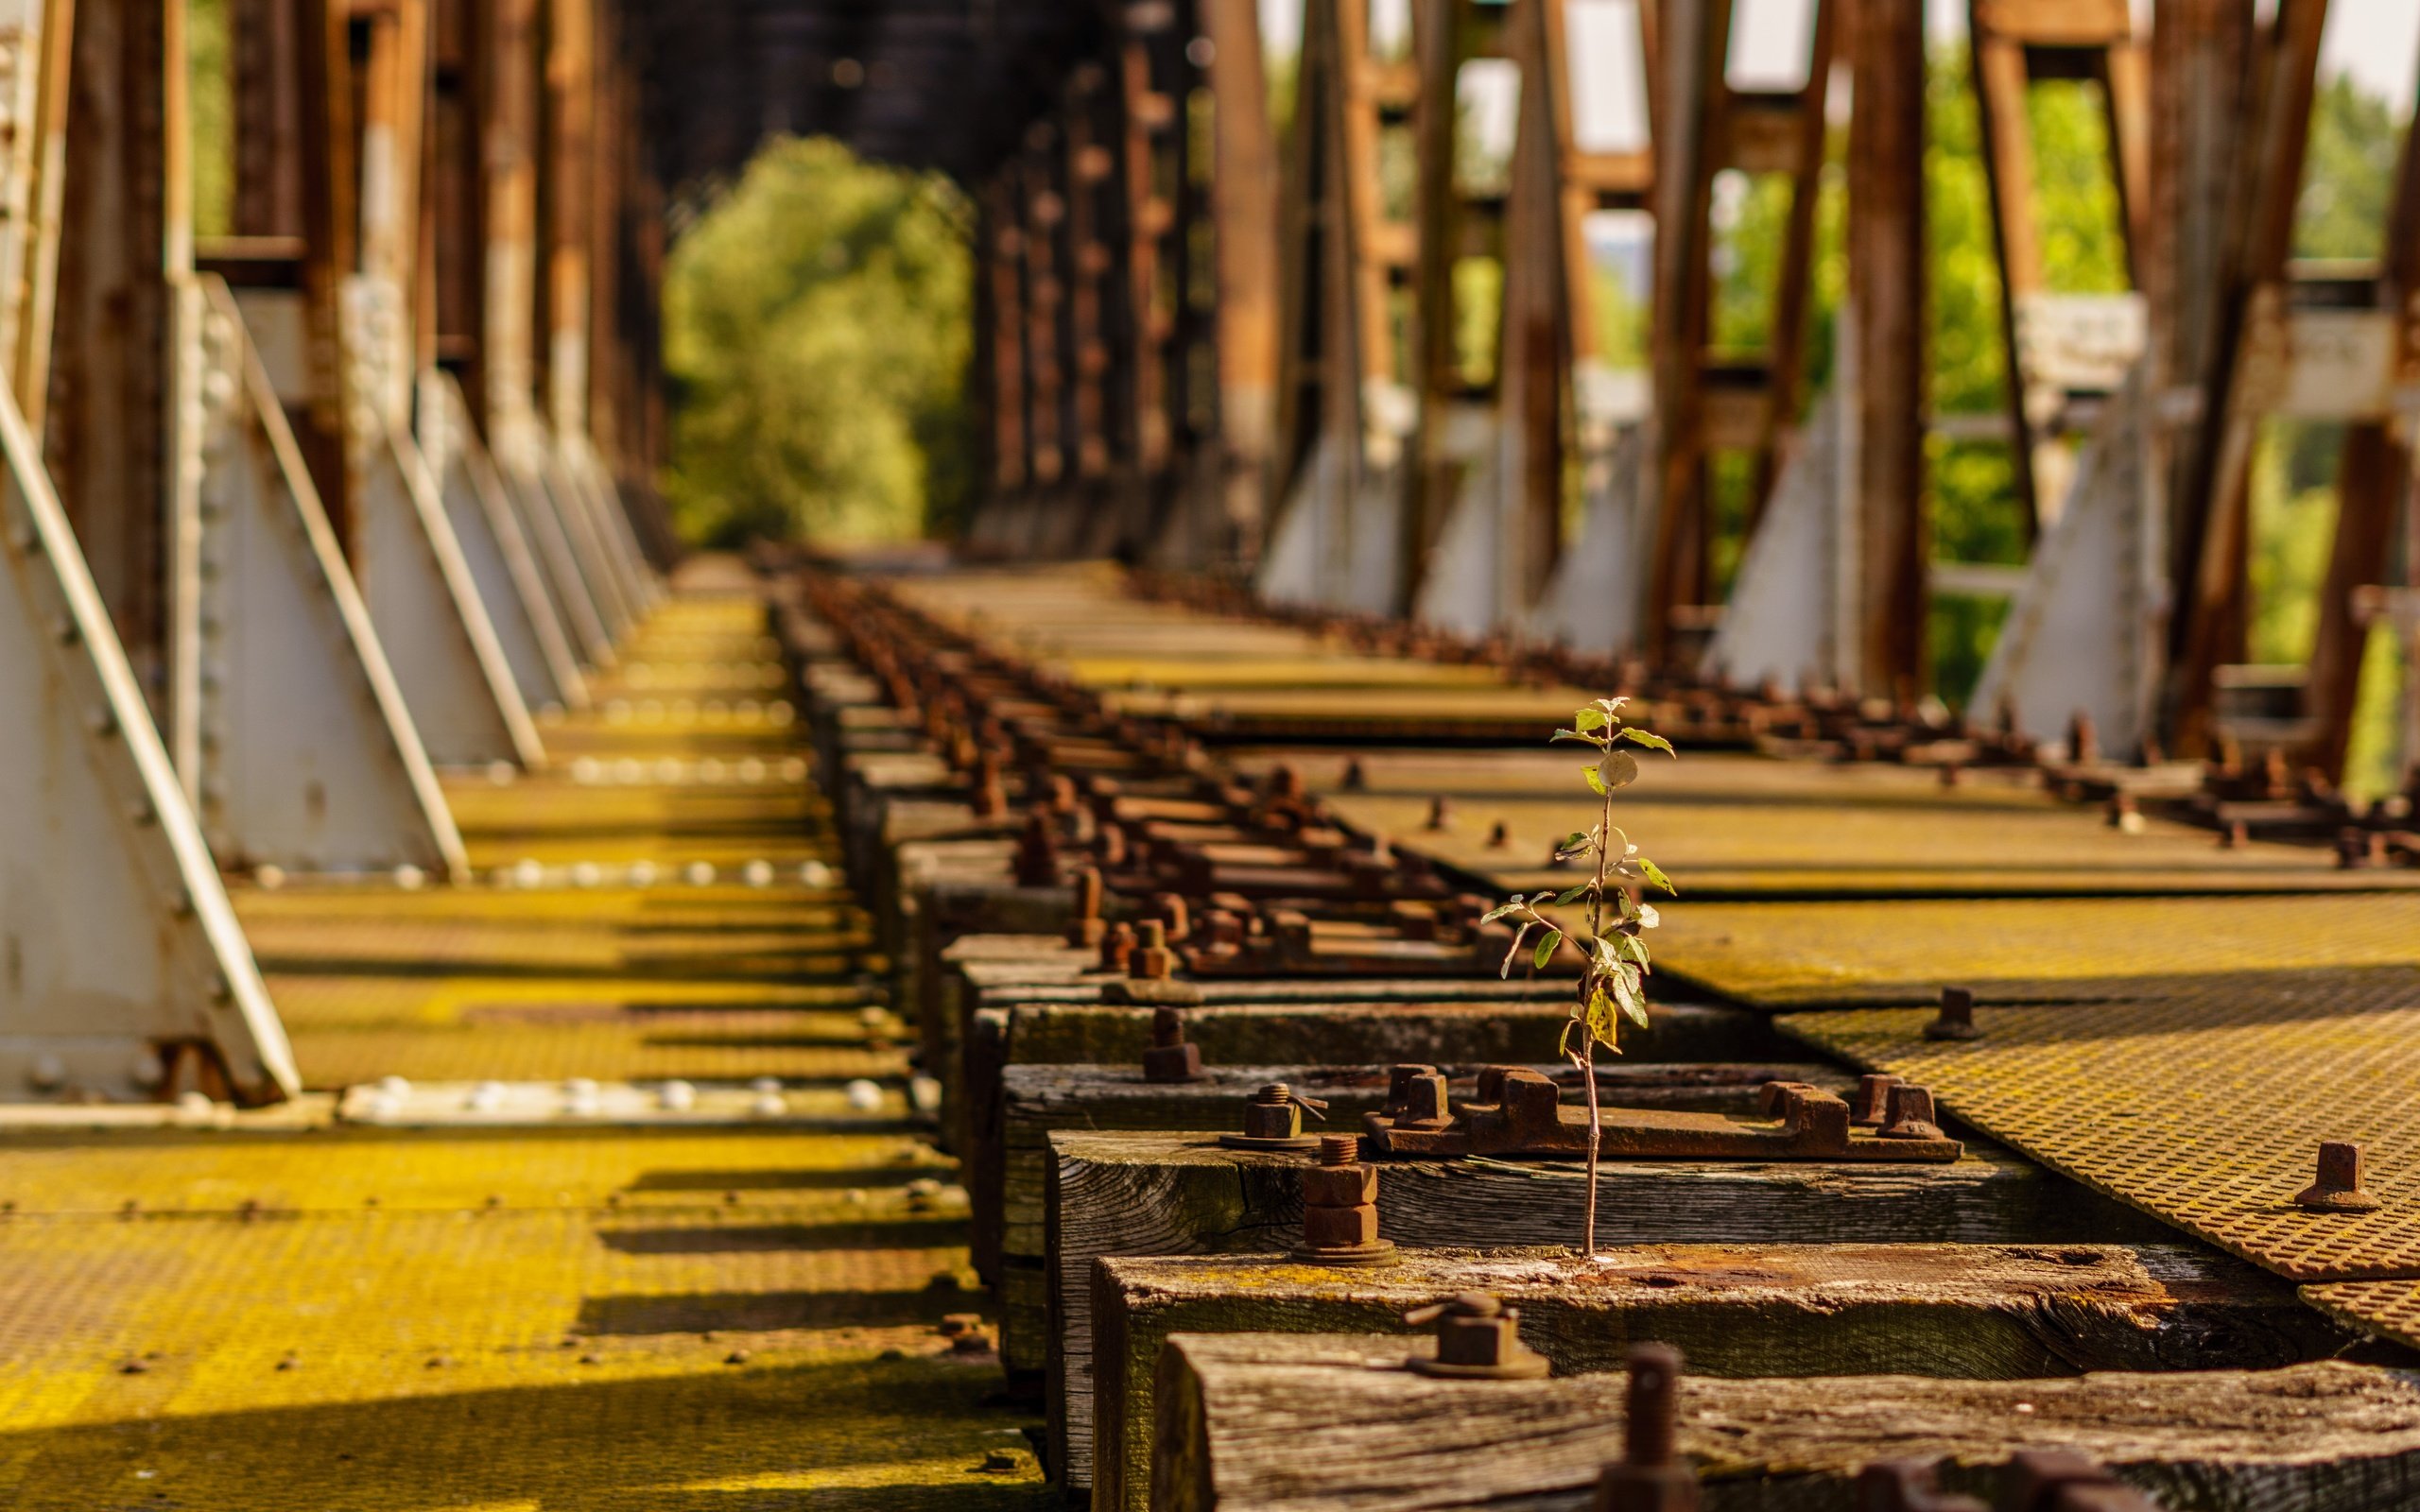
1224,346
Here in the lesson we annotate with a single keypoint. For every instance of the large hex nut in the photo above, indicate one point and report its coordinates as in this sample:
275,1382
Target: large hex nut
1340,1186
1333,1227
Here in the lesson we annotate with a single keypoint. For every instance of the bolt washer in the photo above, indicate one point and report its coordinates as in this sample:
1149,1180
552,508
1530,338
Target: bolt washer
1375,1253
1524,1367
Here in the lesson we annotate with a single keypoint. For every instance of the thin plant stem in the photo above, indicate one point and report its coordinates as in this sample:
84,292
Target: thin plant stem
1589,990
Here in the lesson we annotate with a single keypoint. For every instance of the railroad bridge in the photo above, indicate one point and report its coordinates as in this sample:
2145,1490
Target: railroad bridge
1149,1003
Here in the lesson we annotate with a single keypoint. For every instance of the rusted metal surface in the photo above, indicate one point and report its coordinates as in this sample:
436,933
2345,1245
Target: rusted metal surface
2153,1097
1517,1112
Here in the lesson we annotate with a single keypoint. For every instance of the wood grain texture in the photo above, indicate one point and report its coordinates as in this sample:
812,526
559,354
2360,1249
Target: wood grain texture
1005,1174
1146,1193
1981,1312
1423,1028
1279,1423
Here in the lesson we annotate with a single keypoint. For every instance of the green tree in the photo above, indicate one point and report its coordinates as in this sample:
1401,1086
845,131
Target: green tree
817,323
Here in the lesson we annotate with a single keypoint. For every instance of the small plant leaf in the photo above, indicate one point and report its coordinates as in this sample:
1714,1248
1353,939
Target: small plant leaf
1587,719
1596,778
1649,739
1655,874
1574,893
1620,768
1570,1026
1611,705
1646,914
1500,910
1513,951
1571,734
1602,1023
1545,952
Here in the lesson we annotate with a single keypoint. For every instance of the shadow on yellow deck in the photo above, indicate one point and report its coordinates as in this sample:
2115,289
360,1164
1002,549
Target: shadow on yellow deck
340,1318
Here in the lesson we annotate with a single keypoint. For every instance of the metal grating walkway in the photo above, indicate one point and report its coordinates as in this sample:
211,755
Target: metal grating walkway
296,1310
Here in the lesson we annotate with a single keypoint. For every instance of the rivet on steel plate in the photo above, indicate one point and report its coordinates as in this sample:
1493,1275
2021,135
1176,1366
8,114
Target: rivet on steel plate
1910,1115
1871,1106
1956,1020
2338,1188
1478,1338
1650,1477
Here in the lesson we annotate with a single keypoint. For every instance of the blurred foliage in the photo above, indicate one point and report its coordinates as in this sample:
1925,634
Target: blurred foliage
817,322
210,77
2348,177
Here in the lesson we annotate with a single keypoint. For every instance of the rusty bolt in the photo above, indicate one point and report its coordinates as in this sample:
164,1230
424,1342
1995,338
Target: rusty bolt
2057,1481
1416,1097
1169,1058
1356,779
1117,947
2338,1188
1173,913
1221,929
1441,812
1276,1113
1498,837
2083,741
1872,1104
1477,1338
1152,961
1910,1115
1650,1478
1906,1486
2356,848
989,799
1087,928
1339,1232
1036,860
1956,1020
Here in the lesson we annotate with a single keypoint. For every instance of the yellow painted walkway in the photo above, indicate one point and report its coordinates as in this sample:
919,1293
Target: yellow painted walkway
307,1315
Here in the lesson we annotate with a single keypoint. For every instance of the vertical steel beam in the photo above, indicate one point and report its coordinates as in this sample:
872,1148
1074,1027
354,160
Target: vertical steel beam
2374,482
1886,314
106,418
1243,202
1707,399
1001,253
2014,40
2213,527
